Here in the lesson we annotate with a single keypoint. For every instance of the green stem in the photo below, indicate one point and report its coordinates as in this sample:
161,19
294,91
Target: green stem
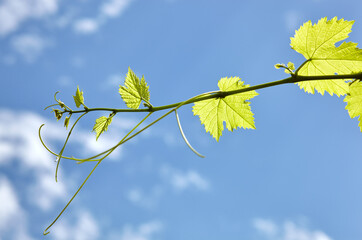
293,79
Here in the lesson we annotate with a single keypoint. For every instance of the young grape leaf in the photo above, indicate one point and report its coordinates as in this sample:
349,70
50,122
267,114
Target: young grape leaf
78,98
317,44
101,125
134,91
354,101
234,110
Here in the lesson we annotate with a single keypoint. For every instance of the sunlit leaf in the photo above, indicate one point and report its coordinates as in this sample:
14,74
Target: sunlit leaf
317,44
234,110
354,101
134,91
101,125
78,98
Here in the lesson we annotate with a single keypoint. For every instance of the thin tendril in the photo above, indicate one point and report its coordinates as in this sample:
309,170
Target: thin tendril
65,143
184,136
94,168
50,151
51,106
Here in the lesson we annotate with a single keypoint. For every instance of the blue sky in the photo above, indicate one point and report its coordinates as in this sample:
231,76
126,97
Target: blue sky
296,177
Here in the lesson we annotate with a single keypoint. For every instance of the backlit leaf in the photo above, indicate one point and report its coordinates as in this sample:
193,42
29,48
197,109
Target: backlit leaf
101,125
134,91
234,110
354,101
78,98
317,44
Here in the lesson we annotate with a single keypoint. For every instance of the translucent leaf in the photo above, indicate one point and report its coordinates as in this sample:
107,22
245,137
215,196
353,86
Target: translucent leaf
134,91
317,44
78,98
234,110
354,101
291,66
101,125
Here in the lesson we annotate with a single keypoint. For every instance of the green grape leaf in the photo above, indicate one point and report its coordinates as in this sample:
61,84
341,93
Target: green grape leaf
354,101
234,110
78,98
101,125
134,91
317,44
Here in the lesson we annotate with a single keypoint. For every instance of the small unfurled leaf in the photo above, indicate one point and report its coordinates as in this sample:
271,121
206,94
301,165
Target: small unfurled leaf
317,44
354,101
291,66
101,125
58,114
234,110
134,91
66,122
78,98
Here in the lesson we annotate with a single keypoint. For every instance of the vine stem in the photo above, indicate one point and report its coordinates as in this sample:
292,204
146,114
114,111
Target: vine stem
294,78
216,94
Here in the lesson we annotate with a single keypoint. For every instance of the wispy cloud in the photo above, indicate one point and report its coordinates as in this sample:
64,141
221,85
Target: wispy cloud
109,9
266,227
13,219
29,46
114,8
86,26
143,199
19,143
183,180
15,12
292,19
85,227
287,231
145,231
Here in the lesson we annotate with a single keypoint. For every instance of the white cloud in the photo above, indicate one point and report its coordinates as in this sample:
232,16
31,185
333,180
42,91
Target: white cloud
64,80
113,8
29,46
84,228
47,191
144,231
287,231
265,226
14,12
10,209
109,9
19,139
19,142
86,26
294,232
114,80
146,200
13,221
182,181
292,20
